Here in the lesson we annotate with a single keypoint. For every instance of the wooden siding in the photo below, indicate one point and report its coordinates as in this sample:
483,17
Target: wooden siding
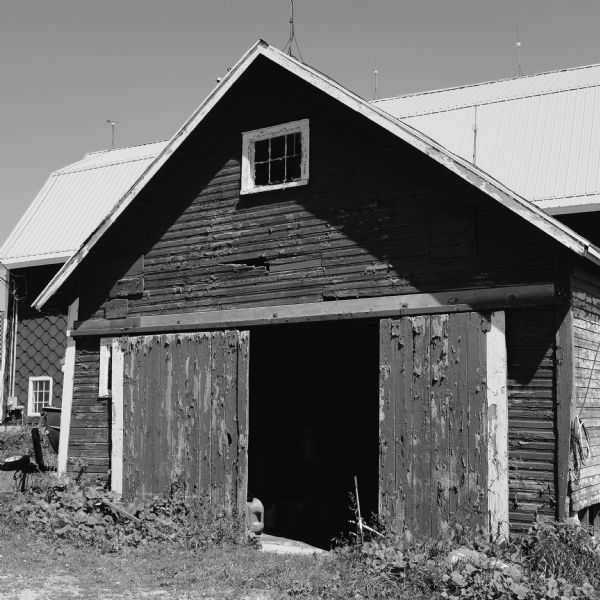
530,340
186,417
89,441
585,485
367,224
433,421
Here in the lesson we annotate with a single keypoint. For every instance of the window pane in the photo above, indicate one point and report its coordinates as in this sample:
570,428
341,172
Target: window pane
277,171
261,151
293,144
278,147
298,143
261,173
292,165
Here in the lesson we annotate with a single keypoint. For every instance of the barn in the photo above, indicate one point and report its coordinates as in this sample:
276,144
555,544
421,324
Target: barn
68,207
301,289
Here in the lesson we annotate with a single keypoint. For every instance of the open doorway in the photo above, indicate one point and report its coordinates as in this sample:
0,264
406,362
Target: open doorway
314,425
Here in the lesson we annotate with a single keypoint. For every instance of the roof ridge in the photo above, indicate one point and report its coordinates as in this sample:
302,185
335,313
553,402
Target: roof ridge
95,152
68,170
80,165
482,83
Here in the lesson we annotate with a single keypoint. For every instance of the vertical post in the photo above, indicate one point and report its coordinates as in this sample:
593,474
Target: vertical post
497,399
116,451
565,397
3,336
67,397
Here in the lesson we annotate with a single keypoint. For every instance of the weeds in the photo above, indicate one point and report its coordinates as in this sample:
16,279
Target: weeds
93,516
555,560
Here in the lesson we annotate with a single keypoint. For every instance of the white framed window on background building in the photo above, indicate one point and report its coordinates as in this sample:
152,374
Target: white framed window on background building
40,395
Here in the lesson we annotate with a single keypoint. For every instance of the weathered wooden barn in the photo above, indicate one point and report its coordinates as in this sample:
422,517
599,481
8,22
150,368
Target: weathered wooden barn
300,289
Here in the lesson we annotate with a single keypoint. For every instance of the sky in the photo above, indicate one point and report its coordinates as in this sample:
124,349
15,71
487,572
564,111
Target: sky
66,66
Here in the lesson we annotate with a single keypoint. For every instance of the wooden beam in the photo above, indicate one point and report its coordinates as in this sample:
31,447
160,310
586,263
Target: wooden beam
67,395
116,451
364,308
565,399
497,400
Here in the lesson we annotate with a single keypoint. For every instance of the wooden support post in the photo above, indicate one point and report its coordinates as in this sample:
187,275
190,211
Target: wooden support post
3,339
67,396
116,452
565,399
497,399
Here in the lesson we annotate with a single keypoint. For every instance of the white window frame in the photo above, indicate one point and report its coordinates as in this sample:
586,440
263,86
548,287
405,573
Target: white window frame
104,384
30,399
248,140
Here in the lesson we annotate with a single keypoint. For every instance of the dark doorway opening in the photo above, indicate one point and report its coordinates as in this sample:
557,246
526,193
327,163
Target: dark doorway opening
314,411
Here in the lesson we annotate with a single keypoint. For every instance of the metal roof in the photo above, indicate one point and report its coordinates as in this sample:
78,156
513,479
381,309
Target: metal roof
539,135
71,204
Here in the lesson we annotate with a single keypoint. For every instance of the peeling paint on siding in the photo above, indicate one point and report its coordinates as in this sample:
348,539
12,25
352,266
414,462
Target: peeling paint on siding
433,422
186,404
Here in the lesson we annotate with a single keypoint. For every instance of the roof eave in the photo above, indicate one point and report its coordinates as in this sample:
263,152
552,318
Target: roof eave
38,260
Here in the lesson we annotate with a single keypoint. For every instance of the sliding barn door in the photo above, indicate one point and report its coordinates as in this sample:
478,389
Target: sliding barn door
433,423
185,417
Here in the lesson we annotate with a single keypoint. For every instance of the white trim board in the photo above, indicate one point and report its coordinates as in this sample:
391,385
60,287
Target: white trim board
497,406
461,167
38,260
105,356
67,395
3,339
116,451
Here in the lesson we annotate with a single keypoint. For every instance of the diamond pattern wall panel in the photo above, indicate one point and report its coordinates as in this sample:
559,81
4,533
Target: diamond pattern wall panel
41,342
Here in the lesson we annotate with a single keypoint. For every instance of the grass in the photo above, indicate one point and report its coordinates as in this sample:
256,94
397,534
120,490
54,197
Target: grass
35,567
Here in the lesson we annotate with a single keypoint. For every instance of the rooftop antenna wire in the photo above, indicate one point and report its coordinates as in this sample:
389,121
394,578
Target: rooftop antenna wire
518,47
475,128
112,124
292,40
375,74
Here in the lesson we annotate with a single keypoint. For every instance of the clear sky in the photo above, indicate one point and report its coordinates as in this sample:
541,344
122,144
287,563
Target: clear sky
66,66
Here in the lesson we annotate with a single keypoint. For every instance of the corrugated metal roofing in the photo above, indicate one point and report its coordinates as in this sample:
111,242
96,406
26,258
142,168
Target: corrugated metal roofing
538,135
72,203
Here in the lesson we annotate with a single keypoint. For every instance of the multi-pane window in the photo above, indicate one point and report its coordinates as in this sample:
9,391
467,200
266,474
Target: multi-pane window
40,394
278,159
275,157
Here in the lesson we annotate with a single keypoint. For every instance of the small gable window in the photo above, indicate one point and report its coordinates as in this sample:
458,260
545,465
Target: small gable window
275,157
